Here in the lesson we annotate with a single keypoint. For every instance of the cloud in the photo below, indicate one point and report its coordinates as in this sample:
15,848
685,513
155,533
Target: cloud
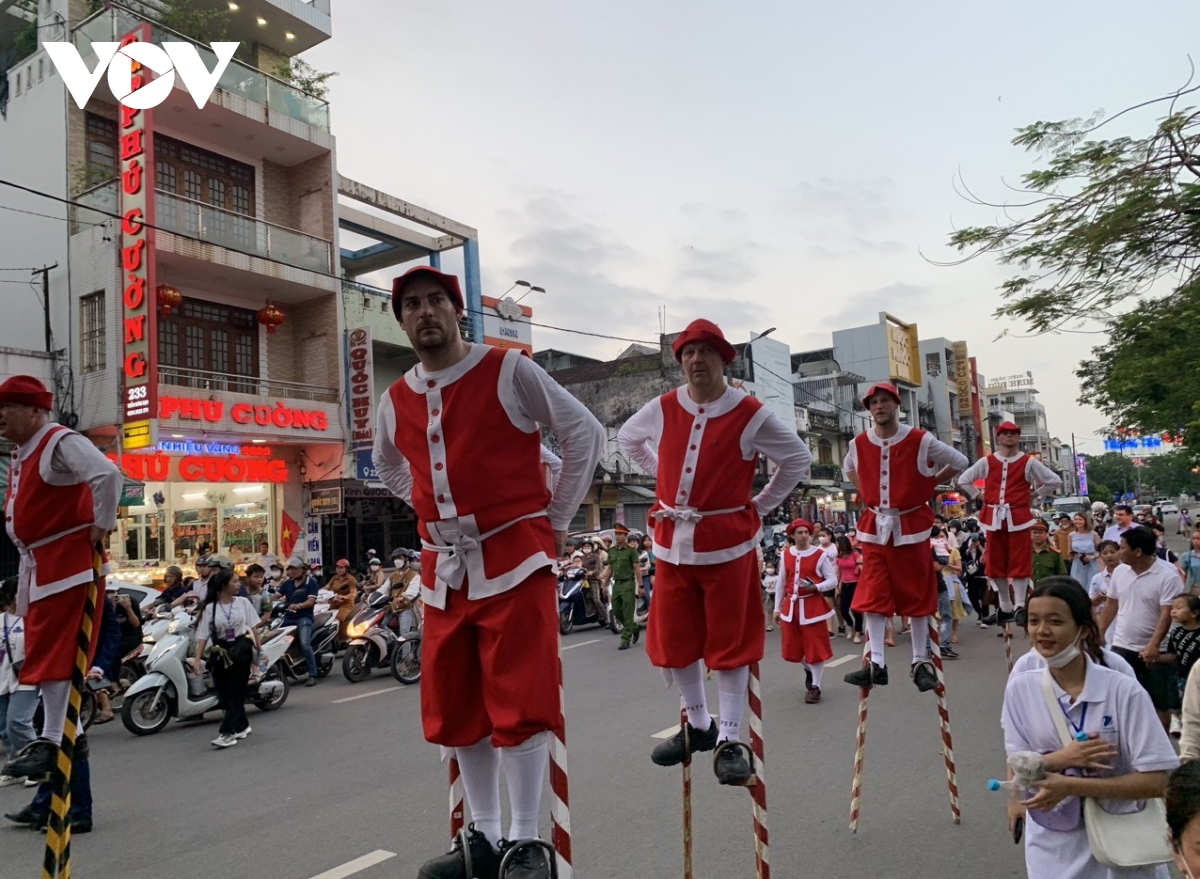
729,266
858,203
854,247
712,213
902,300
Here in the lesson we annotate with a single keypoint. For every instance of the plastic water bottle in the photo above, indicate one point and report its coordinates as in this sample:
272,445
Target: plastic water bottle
262,663
1026,768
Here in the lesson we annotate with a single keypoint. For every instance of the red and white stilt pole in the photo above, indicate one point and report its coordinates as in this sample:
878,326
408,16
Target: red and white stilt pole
758,792
687,797
860,748
456,798
1008,632
944,720
560,802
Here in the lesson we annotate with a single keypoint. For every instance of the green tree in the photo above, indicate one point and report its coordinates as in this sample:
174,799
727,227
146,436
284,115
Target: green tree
1109,475
1108,231
305,77
1170,474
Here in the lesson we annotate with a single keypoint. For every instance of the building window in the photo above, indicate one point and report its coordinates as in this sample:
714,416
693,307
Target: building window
824,452
933,364
91,333
101,144
205,345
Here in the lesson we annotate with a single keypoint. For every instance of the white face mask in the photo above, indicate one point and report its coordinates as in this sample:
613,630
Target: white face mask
824,540
1064,657
1182,864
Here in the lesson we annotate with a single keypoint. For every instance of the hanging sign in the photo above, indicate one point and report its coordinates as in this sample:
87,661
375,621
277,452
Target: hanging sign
361,387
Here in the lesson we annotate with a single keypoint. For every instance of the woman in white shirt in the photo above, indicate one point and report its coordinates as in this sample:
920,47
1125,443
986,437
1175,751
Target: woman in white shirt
17,703
228,620
1183,817
1126,757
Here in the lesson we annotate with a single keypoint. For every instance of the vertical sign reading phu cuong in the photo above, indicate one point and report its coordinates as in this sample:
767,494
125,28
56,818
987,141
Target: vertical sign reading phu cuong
139,363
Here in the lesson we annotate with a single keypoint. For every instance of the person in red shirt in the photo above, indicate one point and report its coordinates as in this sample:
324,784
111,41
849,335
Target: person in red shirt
896,469
703,442
806,578
459,440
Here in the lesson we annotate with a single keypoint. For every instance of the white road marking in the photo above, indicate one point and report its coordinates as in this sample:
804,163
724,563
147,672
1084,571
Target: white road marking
834,663
666,733
584,643
368,696
357,865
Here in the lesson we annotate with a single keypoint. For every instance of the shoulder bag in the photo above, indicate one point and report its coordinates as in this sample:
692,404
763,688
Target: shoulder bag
1133,839
16,666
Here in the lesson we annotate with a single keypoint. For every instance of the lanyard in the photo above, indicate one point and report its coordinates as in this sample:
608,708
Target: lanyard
1078,727
228,614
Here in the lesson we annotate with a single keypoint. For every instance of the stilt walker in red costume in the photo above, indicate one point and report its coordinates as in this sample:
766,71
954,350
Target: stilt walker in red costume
1012,479
806,578
459,438
63,496
703,441
896,469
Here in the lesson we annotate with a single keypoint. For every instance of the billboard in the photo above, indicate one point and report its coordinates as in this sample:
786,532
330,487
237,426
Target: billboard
904,362
506,324
962,379
360,387
1081,474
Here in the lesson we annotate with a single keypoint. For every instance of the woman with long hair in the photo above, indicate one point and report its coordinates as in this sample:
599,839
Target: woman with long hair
1124,758
1085,549
228,620
849,568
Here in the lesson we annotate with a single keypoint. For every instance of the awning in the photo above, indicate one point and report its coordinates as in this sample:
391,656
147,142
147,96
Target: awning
639,491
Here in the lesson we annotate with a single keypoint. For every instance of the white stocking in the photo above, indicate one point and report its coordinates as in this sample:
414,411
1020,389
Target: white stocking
1001,587
480,767
55,696
732,686
1020,589
876,624
818,672
525,771
691,688
920,638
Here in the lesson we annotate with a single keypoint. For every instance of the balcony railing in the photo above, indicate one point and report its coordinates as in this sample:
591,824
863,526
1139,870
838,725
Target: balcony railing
244,384
96,206
261,88
827,471
240,232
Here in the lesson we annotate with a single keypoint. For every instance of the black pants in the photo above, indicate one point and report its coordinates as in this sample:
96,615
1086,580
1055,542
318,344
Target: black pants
846,601
231,682
976,593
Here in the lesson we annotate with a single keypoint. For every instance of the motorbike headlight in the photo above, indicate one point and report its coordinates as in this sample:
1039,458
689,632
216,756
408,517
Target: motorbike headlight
356,630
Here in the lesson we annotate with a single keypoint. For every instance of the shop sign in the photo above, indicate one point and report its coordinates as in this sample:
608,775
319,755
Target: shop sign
1012,382
140,361
820,421
903,363
312,551
278,415
161,467
609,495
364,466
362,389
187,447
506,324
962,378
352,491
1081,474
325,501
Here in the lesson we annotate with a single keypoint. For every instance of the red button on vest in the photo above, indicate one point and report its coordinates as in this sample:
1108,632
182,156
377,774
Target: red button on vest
437,411
437,466
431,384
435,438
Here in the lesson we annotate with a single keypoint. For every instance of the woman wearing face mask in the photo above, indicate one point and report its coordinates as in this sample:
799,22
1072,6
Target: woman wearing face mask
1125,758
1183,817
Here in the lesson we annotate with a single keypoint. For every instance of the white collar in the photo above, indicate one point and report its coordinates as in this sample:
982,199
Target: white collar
804,553
417,378
723,405
899,435
1008,460
26,449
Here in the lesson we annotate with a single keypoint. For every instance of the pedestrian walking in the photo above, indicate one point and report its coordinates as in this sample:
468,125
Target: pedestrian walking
623,566
703,441
1084,553
458,438
1189,563
1047,560
975,573
849,569
1125,758
1185,522
802,607
227,622
1012,480
63,495
18,702
896,469
1101,585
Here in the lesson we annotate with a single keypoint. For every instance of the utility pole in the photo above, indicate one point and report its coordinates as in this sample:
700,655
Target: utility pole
44,271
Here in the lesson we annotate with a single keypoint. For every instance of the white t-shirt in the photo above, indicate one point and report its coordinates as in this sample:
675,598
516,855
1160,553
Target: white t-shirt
1112,705
232,620
1140,600
1097,588
13,628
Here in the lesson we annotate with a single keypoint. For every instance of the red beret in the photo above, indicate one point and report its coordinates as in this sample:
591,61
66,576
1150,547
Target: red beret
799,523
886,387
710,334
450,282
1008,427
26,391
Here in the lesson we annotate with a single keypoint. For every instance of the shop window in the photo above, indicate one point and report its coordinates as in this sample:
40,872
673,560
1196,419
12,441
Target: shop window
91,333
205,345
824,452
101,144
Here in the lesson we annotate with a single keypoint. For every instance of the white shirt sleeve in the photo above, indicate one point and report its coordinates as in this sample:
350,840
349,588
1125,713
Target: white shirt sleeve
1171,585
779,443
827,569
1039,474
75,461
414,588
1012,715
639,436
389,461
850,462
781,582
555,464
579,434
946,456
966,479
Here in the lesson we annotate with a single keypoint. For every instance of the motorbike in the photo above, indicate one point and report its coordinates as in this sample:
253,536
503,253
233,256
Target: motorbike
372,637
574,610
168,690
324,636
406,658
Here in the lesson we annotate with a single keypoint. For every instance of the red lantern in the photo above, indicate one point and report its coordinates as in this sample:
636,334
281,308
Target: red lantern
270,317
168,298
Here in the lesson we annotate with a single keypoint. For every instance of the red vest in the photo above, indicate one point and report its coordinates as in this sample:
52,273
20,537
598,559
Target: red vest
49,523
895,475
478,481
812,604
1007,484
701,468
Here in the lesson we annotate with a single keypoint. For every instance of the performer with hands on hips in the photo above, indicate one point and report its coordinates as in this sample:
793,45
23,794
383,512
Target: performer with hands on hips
806,578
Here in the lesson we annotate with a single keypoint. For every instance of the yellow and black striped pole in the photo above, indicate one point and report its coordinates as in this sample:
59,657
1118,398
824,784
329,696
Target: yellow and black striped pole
57,860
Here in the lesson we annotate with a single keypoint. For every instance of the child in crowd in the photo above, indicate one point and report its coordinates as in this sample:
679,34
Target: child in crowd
1183,643
1110,557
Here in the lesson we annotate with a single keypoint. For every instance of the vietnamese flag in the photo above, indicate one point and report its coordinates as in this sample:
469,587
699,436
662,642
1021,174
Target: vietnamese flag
288,536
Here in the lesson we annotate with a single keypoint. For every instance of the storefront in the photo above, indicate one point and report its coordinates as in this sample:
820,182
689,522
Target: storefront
356,516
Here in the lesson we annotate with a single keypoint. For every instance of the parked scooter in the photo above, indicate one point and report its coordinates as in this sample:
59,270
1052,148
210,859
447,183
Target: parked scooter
574,610
372,640
167,690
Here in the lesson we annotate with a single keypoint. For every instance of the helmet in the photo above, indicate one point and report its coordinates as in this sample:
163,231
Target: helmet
414,555
635,535
401,552
342,563
204,560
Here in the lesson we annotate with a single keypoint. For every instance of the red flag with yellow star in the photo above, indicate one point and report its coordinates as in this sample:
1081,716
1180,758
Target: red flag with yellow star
288,536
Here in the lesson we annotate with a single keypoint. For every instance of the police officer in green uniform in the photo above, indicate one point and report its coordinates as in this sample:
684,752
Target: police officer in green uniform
624,568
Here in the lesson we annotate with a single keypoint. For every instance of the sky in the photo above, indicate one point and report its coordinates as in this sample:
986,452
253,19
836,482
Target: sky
787,164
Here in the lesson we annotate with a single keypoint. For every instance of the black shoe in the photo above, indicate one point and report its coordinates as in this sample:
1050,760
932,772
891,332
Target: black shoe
485,863
311,682
948,653
1021,617
807,679
672,751
1004,617
36,761
624,645
637,634
81,825
989,620
868,676
841,631
924,676
731,766
28,818
527,862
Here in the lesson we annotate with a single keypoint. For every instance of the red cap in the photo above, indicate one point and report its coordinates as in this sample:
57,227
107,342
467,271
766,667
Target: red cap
799,523
1008,427
342,563
701,330
450,282
1039,525
886,387
26,391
